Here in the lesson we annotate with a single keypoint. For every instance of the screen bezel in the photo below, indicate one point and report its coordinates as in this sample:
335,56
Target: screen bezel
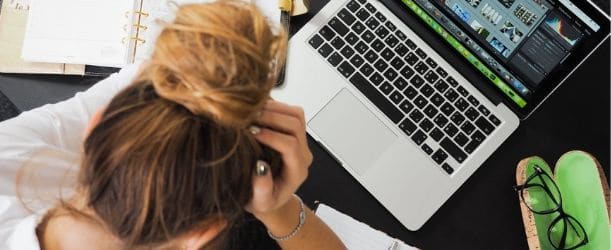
549,84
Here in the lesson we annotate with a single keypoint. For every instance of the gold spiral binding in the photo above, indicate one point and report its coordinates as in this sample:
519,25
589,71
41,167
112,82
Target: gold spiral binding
141,13
137,39
137,26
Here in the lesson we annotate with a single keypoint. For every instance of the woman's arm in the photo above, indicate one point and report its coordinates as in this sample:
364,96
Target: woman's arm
273,201
47,140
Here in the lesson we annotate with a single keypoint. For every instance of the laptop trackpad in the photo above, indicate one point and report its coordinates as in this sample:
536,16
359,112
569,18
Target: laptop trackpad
352,131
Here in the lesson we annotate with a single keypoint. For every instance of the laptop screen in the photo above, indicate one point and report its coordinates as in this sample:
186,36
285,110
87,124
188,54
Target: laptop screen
516,44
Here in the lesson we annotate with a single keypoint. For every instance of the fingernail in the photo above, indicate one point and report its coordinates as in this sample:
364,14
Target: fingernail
262,168
254,130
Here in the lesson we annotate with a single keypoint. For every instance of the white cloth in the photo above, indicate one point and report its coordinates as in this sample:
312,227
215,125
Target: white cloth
43,147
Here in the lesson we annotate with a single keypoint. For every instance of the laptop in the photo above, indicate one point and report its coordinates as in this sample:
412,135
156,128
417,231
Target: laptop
412,96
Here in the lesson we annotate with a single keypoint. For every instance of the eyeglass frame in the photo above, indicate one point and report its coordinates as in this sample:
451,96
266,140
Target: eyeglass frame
562,214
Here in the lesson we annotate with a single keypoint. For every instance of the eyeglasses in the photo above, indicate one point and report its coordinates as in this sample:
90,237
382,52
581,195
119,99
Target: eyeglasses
564,232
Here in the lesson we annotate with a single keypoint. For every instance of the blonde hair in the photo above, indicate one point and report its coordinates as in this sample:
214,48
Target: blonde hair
172,152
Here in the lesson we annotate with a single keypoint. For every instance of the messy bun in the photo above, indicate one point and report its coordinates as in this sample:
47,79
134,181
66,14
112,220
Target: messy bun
218,60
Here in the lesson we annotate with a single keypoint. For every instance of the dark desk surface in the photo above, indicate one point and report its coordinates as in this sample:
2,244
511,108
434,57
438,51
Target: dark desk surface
484,213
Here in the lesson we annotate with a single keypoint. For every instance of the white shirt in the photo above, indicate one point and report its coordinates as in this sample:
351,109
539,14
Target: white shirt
43,147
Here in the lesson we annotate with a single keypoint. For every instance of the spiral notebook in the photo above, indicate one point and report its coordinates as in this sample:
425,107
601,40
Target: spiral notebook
100,32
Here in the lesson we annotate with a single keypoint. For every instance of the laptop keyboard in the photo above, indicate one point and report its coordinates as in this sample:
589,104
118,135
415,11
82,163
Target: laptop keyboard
398,77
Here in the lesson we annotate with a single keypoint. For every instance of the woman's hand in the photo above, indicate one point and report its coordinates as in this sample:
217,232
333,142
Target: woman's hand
282,129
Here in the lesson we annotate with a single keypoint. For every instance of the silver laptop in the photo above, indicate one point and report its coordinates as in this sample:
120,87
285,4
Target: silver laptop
410,121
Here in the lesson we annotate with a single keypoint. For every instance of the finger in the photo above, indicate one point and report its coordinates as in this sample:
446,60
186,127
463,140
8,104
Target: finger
282,123
284,108
284,144
262,192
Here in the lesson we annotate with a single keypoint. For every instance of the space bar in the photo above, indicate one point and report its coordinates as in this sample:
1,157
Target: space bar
376,97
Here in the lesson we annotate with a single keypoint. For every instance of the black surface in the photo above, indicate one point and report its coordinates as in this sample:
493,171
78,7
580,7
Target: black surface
484,213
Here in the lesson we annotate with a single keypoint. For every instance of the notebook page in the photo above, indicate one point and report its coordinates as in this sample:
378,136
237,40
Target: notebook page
77,31
357,235
163,11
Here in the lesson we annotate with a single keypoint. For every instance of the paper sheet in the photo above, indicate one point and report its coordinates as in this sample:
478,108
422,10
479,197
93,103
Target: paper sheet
357,235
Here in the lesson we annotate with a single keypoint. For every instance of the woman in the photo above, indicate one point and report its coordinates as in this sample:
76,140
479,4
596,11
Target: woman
191,155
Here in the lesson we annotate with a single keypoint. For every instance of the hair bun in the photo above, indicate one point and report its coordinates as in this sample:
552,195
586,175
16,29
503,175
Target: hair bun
218,60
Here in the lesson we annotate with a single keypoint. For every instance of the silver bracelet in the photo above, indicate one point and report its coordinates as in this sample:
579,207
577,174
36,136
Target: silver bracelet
302,217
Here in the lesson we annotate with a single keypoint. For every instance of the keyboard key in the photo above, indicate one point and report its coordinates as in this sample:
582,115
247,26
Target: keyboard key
450,130
431,77
386,88
441,72
401,35
462,91
411,44
345,69
397,63
420,102
416,115
478,136
411,58
410,92
421,68
338,43
408,127
345,16
440,120
387,54
347,52
427,90
446,167
419,137
473,145
417,81
335,59
441,86
457,118
430,111
461,139
382,32
371,56
447,109
451,95
436,134
366,69
391,41
316,41
361,47
461,104
380,65
372,23
396,97
483,110
390,74
327,33
380,101
472,100
377,45
407,72
452,81
426,125
467,127
338,26
368,36
437,99
362,15
400,83
406,106
495,120
427,149
362,1
380,17
472,114
353,6
484,125
357,61
390,26
376,79
358,27
431,63
325,50
453,150
420,53
352,38
370,8
401,50
439,156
